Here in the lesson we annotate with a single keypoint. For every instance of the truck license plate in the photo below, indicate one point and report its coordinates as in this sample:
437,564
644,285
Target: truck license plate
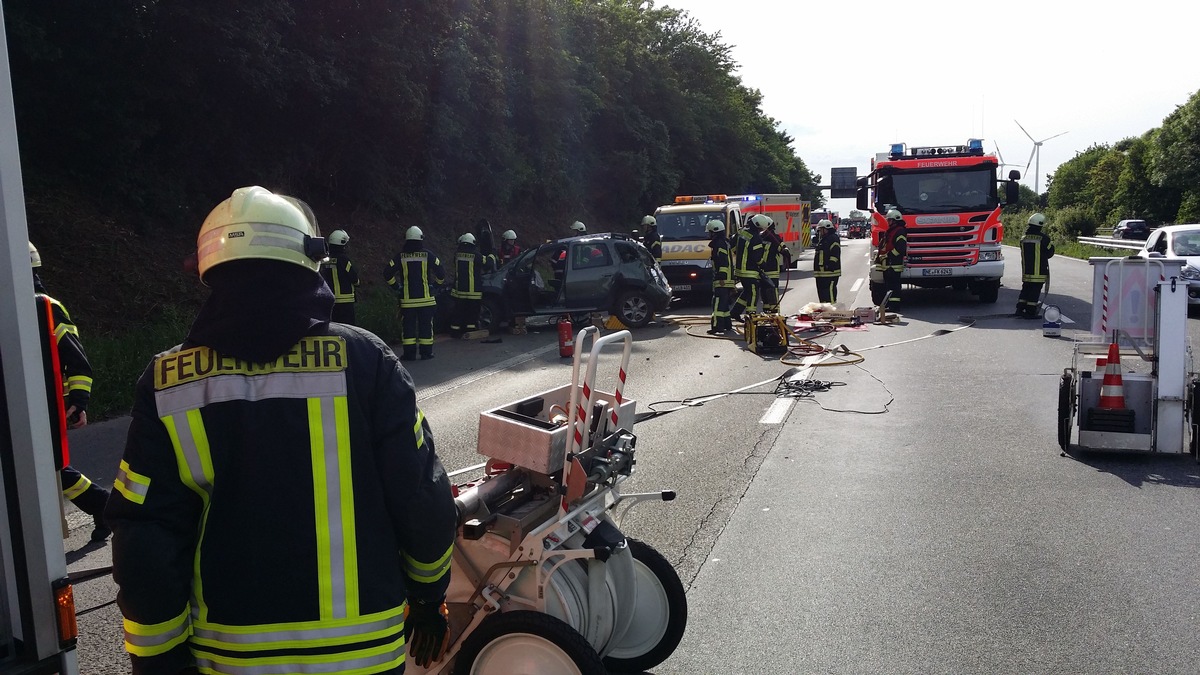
681,287
937,272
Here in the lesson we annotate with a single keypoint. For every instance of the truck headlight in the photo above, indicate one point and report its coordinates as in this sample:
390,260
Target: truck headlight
988,256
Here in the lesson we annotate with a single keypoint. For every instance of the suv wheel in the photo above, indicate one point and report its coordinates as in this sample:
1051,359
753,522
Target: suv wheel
490,315
634,309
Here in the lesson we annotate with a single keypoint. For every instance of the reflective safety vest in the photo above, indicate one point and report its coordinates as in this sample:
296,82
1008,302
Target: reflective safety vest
341,277
748,253
772,260
722,263
468,274
654,245
269,518
892,250
827,260
409,274
1036,252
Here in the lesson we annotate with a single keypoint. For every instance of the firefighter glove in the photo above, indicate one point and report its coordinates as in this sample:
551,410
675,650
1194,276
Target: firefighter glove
426,630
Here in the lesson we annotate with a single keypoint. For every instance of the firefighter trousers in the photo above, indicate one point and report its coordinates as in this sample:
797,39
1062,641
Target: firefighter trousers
891,282
769,288
417,331
722,299
1027,301
83,493
827,289
747,299
466,314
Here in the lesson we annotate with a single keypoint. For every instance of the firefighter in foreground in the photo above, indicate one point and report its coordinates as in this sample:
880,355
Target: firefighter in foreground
468,284
414,274
64,361
724,283
340,275
893,249
1036,252
280,505
652,240
827,261
747,258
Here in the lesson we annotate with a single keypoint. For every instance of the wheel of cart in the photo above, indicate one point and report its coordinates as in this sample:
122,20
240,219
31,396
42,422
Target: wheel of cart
1067,401
527,643
659,617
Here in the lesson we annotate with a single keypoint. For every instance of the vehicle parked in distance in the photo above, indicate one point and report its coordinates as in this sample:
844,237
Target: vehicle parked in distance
1179,242
1131,229
592,273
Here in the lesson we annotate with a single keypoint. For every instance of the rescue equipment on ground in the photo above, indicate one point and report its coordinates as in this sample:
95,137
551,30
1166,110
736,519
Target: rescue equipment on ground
1051,321
566,337
766,334
543,580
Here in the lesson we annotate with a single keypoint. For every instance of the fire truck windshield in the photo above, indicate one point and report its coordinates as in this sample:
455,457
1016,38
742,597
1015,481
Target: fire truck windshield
940,191
687,226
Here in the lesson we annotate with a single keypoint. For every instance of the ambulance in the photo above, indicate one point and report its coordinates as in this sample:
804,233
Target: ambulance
685,252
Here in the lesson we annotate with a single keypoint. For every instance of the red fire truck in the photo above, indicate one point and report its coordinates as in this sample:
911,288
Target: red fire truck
950,200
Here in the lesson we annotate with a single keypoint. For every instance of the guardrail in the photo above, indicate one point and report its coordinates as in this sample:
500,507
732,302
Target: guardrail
1109,242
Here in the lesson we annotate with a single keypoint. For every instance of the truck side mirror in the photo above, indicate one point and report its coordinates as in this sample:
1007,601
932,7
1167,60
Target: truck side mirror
1012,193
860,199
1014,175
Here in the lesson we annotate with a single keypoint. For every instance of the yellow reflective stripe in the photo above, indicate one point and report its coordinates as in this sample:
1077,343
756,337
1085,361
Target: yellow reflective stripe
380,658
62,329
79,487
79,383
419,429
341,417
132,484
428,572
316,439
301,635
191,457
158,638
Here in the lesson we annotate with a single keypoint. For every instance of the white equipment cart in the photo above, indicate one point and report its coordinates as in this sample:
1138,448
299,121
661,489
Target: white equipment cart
1142,305
542,581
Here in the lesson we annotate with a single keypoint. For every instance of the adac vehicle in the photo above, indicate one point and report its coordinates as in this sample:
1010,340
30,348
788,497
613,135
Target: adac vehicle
949,198
685,252
592,273
1178,241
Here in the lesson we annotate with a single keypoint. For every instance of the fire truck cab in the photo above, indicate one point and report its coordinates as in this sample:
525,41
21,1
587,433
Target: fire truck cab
951,203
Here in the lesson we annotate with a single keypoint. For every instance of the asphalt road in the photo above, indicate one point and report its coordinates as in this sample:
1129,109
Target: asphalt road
915,517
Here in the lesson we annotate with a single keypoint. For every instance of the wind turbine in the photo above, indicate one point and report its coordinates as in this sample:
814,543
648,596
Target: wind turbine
1001,156
1036,153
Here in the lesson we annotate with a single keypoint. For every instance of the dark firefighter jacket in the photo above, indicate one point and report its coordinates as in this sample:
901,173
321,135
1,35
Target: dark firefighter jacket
893,249
748,253
68,374
468,273
827,259
1036,252
414,273
274,513
772,261
722,262
654,243
341,276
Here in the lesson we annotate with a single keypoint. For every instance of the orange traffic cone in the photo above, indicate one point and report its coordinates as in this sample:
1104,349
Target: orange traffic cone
1112,389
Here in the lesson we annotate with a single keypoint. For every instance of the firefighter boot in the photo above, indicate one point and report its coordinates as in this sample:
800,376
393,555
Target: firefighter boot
92,502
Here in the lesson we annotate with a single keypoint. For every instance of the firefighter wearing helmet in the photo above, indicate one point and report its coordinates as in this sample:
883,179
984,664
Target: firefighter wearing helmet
341,276
509,248
468,286
651,239
890,258
262,494
827,261
772,264
1036,252
68,379
724,281
414,274
748,256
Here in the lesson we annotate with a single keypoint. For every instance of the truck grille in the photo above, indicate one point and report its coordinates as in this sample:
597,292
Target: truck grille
943,245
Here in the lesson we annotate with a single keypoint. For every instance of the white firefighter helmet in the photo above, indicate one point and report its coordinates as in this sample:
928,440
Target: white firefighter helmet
35,259
825,224
649,221
762,221
338,238
467,238
714,226
578,226
508,235
894,214
1037,220
255,223
414,233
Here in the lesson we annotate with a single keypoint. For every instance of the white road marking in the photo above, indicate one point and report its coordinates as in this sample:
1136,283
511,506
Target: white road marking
778,411
857,285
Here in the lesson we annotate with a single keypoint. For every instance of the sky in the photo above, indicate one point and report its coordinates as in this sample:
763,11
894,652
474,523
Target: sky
847,79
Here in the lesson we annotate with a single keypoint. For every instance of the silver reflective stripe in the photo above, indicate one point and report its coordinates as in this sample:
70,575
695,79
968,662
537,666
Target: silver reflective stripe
195,395
343,662
269,639
131,484
191,454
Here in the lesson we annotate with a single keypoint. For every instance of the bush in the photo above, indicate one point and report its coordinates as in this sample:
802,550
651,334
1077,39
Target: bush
1071,222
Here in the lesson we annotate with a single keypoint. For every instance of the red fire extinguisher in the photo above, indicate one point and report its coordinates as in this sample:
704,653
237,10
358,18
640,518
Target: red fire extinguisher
566,338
